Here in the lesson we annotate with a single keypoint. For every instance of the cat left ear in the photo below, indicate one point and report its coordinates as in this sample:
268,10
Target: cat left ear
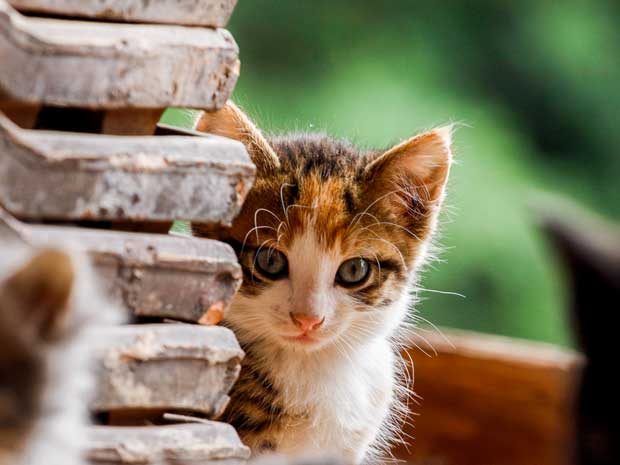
413,171
231,122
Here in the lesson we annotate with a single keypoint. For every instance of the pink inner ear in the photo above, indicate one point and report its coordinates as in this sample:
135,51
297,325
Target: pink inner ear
423,162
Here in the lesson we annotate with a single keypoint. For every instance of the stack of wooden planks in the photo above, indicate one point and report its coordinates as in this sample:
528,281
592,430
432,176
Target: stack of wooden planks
81,165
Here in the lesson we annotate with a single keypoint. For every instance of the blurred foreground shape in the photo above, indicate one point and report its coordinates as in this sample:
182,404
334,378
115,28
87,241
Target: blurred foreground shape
589,248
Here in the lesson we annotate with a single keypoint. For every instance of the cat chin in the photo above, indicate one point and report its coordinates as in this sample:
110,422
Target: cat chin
307,344
302,344
302,339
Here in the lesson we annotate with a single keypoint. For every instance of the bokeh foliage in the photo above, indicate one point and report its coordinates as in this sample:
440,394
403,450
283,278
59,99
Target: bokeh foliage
535,86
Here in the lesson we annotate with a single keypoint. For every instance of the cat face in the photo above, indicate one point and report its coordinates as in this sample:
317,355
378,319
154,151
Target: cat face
330,237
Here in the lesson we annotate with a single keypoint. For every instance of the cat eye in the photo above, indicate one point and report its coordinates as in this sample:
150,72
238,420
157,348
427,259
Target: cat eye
272,263
353,272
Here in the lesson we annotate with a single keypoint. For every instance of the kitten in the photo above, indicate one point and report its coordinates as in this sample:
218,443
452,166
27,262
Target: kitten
46,301
331,240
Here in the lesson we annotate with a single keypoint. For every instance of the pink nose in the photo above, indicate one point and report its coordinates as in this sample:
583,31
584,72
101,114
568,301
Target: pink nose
306,322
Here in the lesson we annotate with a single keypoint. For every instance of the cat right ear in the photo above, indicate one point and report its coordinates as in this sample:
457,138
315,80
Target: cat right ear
39,293
231,122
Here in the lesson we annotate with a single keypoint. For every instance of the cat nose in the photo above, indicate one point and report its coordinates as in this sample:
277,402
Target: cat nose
306,322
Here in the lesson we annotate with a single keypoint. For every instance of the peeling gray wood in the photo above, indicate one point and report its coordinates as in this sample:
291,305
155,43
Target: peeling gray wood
214,13
165,367
205,444
151,275
105,65
69,176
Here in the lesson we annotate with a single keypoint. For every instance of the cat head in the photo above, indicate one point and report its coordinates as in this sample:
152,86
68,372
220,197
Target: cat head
330,237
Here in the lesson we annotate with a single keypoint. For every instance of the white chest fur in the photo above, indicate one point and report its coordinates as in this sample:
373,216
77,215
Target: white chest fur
340,400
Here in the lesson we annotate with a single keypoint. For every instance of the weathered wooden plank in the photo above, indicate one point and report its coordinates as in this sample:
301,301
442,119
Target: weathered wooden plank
490,399
150,275
105,65
165,367
64,176
191,444
213,13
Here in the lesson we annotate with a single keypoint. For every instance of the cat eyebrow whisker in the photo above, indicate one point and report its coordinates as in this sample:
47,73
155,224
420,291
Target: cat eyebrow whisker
389,223
296,205
379,238
358,216
258,210
278,230
251,231
361,215
284,209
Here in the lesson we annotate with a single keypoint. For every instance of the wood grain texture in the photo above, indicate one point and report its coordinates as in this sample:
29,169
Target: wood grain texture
131,122
165,367
150,275
107,66
213,13
64,176
185,444
490,400
24,116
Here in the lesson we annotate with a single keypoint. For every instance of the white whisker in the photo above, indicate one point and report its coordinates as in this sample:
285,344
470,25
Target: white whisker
462,296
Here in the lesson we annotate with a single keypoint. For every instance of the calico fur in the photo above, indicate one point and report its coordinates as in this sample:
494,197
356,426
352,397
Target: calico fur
322,201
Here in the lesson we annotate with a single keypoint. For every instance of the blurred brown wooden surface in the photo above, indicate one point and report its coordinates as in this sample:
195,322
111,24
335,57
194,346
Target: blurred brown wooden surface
490,400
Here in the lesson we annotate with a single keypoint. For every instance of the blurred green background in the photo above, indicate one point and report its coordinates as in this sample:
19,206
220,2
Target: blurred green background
535,85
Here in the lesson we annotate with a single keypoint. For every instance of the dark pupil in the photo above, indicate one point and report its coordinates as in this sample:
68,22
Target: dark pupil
270,261
354,270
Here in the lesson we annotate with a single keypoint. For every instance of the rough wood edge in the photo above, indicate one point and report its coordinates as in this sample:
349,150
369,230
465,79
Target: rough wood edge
166,445
212,13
